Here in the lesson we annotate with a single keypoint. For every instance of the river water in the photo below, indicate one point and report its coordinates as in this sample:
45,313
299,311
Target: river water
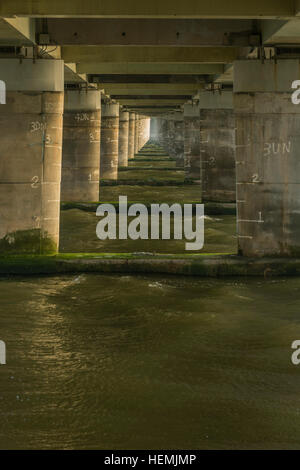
143,362
148,362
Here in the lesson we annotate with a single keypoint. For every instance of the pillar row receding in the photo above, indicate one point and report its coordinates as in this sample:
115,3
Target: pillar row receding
109,141
81,146
31,149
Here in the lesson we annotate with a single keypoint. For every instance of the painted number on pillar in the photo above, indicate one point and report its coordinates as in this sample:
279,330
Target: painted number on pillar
81,117
35,182
49,106
255,178
277,148
37,126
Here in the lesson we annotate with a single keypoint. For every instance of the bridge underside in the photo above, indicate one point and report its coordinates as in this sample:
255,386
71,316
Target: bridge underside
81,81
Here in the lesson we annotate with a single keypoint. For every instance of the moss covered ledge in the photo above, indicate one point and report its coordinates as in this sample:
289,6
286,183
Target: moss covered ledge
188,265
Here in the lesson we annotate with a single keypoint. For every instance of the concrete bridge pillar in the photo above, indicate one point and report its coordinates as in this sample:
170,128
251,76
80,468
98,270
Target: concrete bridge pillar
217,129
267,154
146,131
109,149
123,138
31,149
176,137
81,146
155,129
143,129
131,136
192,155
137,133
140,137
164,133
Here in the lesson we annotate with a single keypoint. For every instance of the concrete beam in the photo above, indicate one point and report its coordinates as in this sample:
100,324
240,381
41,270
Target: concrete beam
251,77
150,68
158,79
17,32
177,98
150,32
149,92
150,9
227,76
152,90
281,32
21,32
137,54
152,110
71,76
151,102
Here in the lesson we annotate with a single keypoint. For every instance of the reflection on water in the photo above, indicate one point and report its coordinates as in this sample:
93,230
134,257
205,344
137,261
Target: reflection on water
123,362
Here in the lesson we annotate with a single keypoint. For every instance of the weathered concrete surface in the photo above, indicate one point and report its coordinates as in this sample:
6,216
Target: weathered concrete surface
119,9
218,155
81,146
109,141
155,129
123,138
137,133
268,164
141,132
30,163
192,155
201,265
158,130
164,138
176,137
144,131
131,136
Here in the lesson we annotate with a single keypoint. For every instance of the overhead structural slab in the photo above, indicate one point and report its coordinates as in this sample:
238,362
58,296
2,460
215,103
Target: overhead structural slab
150,32
154,9
139,54
160,68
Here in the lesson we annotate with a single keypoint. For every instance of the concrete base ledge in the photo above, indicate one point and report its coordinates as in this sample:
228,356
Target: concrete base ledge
187,265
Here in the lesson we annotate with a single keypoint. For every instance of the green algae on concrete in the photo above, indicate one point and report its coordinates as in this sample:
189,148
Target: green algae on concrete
27,241
149,168
157,164
151,175
152,160
151,194
188,265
